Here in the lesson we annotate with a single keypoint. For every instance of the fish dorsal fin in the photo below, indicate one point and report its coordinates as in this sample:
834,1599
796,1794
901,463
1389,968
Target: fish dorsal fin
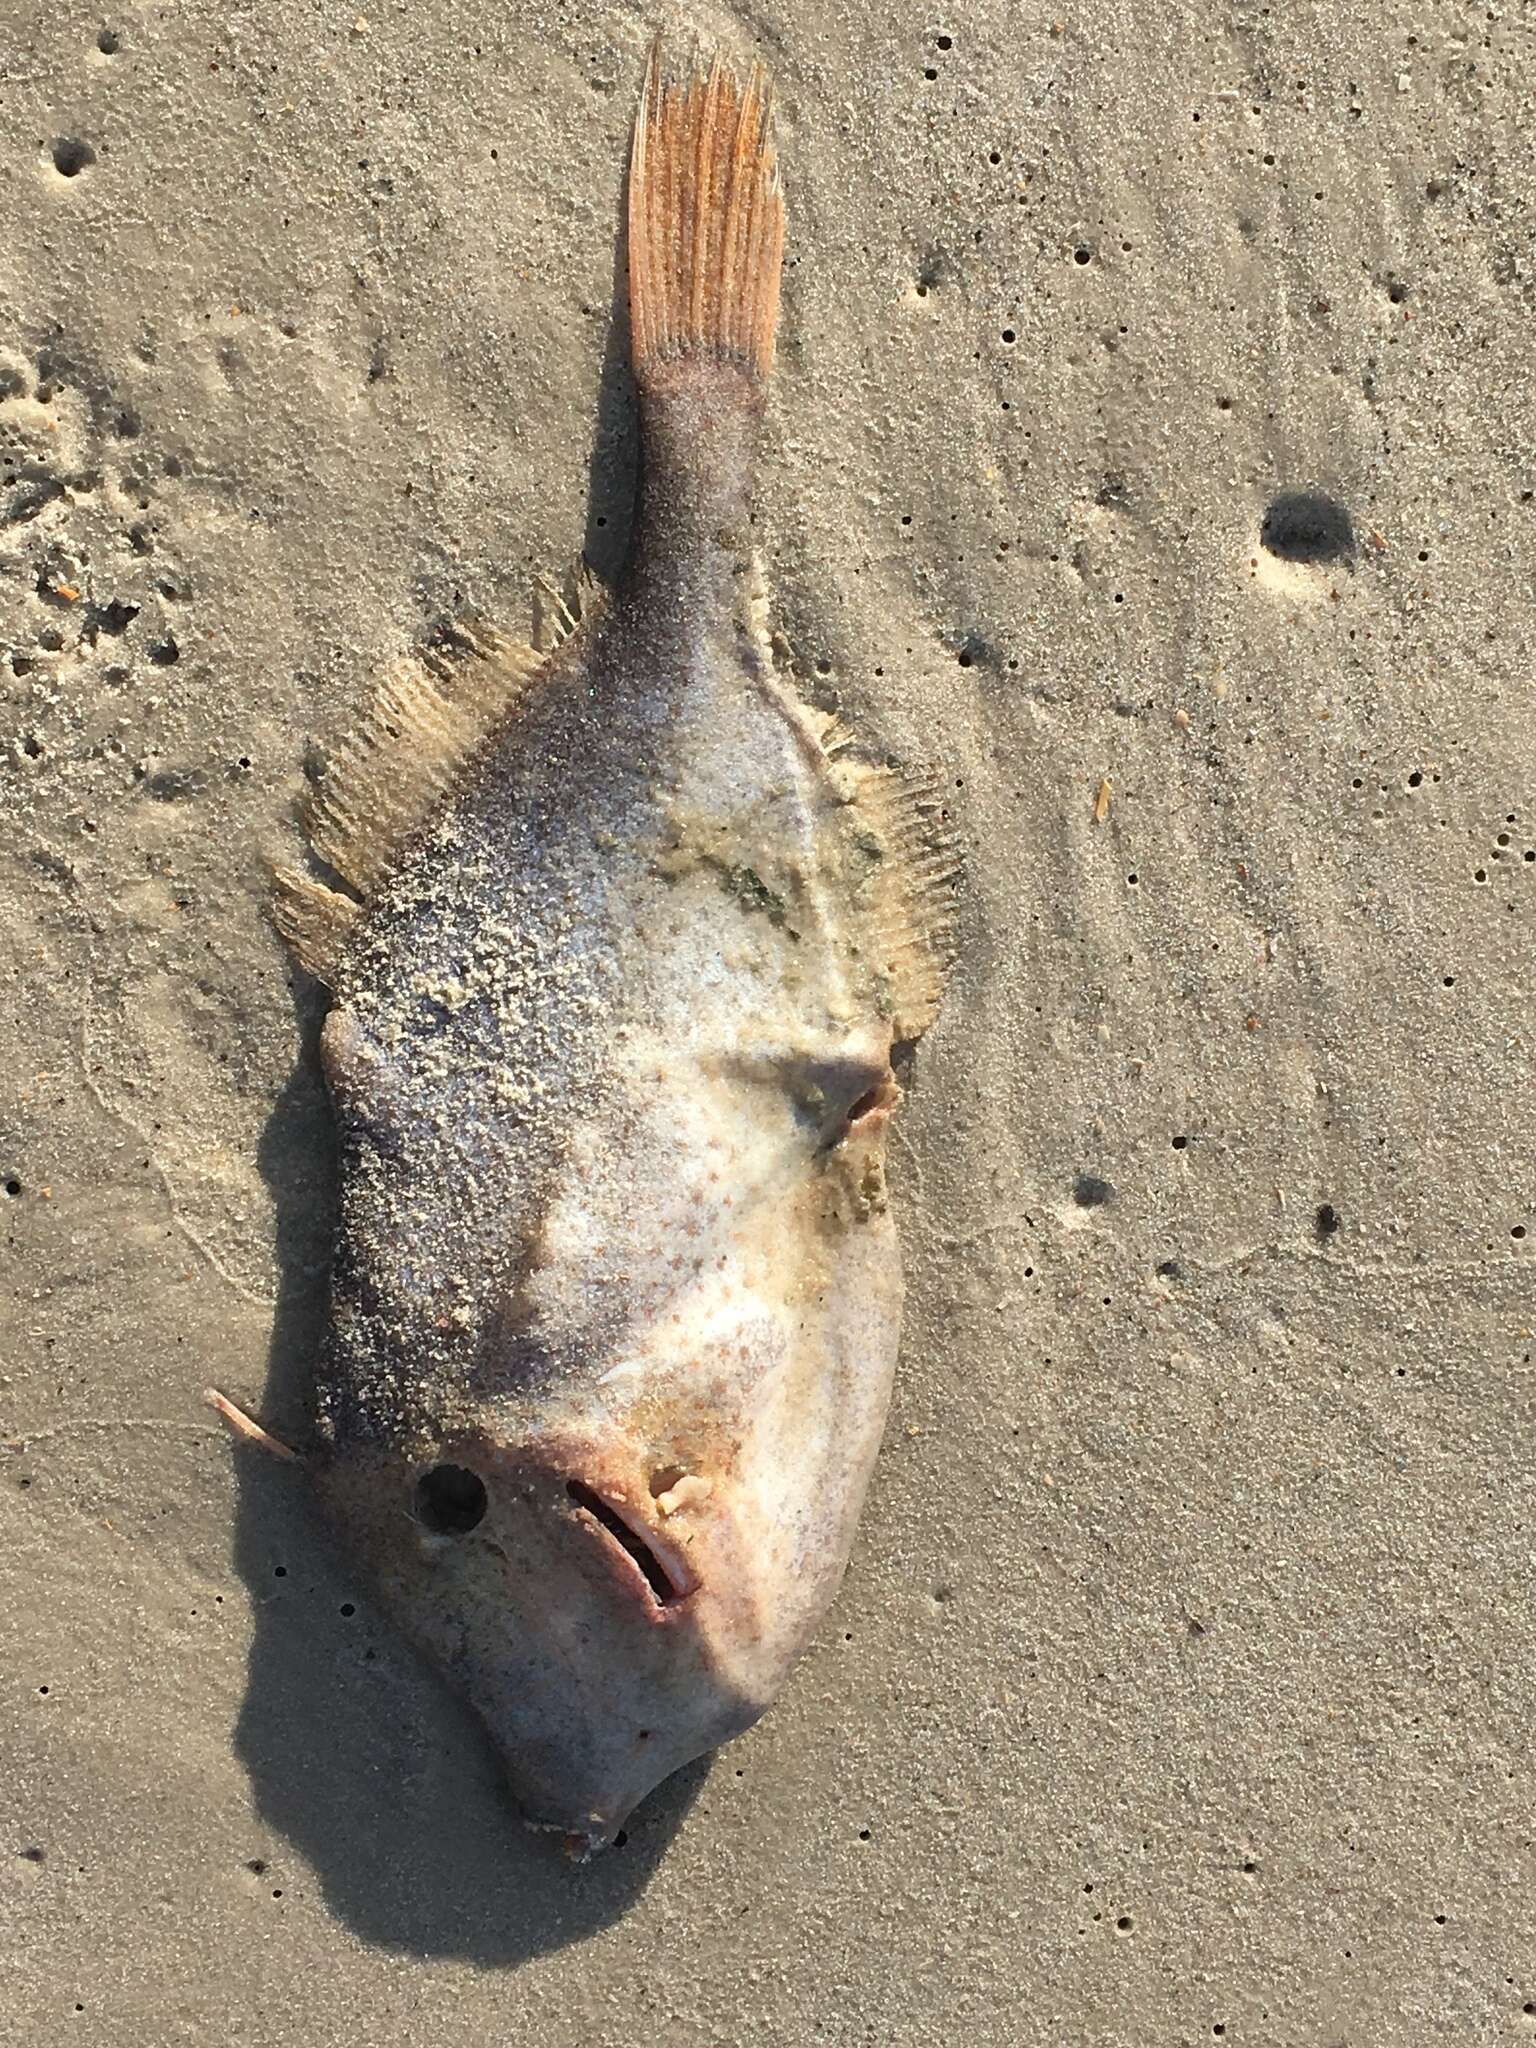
315,921
560,609
431,711
912,888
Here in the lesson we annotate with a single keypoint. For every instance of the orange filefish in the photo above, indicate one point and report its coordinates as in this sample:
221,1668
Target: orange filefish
622,937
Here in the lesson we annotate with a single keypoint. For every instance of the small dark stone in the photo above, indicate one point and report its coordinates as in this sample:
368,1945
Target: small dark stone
1092,1193
1328,1219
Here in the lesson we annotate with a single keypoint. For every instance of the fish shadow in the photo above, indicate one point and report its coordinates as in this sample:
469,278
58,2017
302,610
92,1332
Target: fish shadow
614,471
358,1755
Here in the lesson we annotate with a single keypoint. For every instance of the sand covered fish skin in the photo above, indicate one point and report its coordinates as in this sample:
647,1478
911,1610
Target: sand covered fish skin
617,1291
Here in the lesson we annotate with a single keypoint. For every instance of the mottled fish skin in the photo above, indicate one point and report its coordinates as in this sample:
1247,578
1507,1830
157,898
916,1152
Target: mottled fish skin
617,1289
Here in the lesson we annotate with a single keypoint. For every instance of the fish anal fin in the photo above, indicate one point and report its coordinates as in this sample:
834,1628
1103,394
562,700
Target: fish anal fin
910,891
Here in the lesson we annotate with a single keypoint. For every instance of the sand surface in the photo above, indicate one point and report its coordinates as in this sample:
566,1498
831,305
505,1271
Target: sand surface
1181,1687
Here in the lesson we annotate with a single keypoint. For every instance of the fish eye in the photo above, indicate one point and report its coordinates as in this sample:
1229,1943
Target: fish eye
450,1500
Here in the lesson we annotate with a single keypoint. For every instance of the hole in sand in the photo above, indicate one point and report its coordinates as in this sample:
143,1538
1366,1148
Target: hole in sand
450,1500
648,1563
1307,526
71,156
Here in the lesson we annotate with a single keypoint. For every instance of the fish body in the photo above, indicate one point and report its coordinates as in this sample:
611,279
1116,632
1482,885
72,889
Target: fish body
627,938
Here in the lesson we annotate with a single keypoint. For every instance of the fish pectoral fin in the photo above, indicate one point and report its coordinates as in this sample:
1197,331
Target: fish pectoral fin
910,891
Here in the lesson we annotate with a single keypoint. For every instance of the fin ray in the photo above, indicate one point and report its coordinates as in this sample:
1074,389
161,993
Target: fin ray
912,893
314,920
430,713
706,220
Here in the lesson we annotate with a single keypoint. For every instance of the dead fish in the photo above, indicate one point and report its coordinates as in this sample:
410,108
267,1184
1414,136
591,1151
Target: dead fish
621,939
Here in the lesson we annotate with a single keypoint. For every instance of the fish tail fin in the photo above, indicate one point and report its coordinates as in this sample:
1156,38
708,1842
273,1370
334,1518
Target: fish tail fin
706,222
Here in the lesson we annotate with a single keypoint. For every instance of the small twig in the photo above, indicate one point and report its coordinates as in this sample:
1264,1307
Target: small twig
246,1429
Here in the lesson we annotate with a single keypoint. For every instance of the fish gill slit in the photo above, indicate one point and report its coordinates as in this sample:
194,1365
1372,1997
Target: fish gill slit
651,1569
879,1098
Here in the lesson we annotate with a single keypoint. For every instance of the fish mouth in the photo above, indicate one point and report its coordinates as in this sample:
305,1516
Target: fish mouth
579,1845
653,1564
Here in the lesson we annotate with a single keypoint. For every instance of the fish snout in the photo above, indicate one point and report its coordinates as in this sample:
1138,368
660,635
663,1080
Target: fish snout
589,1604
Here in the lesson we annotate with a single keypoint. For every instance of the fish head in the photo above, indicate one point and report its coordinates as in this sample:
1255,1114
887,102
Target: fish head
556,1582
618,1555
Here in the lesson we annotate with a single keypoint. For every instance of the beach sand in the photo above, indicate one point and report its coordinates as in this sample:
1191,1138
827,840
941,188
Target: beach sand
1181,1685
